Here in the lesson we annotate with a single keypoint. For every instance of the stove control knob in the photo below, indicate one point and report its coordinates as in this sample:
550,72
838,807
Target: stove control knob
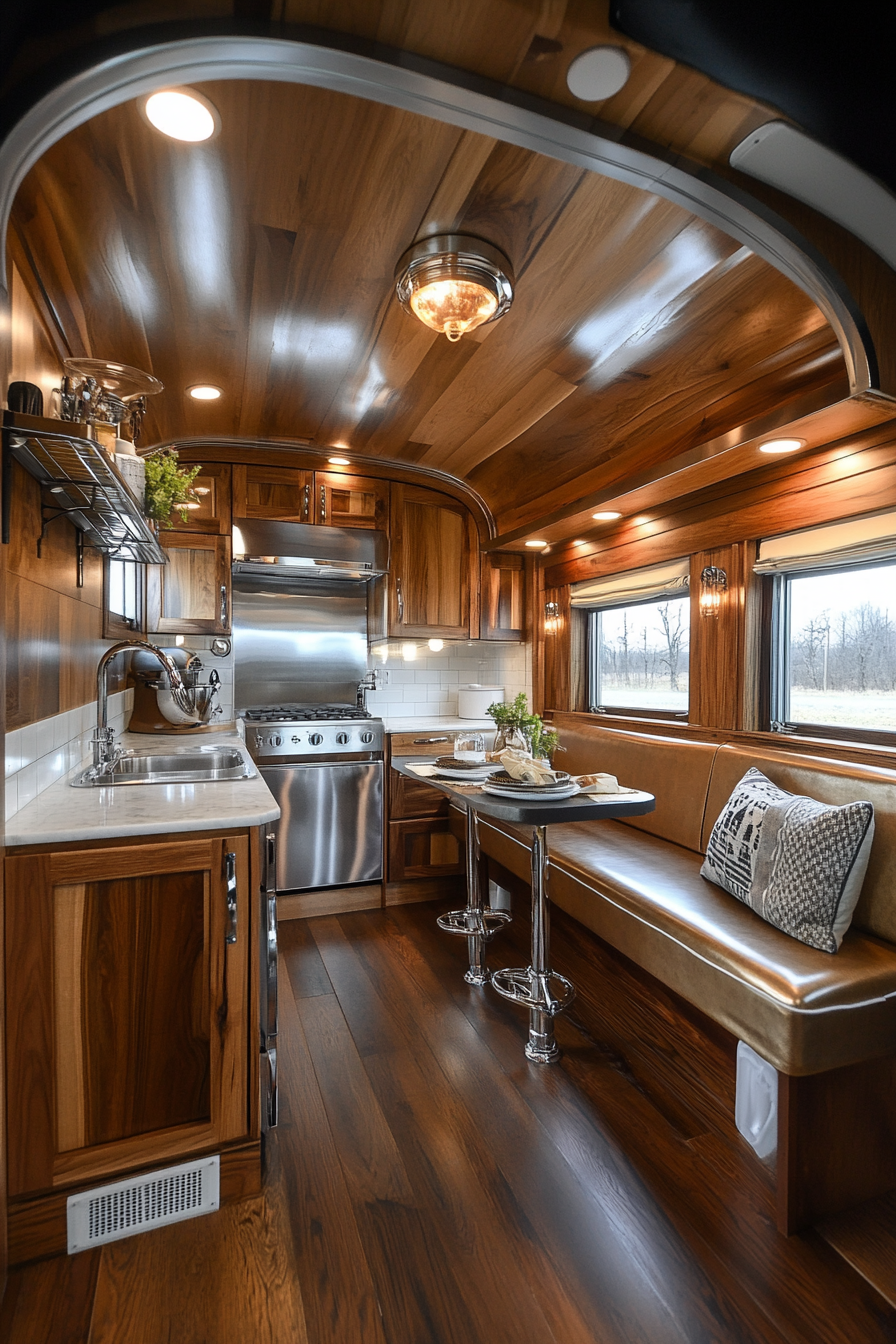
342,739
275,740
367,737
259,739
315,739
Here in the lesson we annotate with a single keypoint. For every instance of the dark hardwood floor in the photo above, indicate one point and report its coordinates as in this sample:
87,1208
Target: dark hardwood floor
428,1186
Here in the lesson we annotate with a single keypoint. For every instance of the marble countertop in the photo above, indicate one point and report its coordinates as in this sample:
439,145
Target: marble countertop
62,813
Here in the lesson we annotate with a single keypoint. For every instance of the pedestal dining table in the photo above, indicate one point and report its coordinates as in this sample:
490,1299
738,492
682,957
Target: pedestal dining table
537,987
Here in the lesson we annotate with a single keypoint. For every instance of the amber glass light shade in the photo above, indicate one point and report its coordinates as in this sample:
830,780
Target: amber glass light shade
452,307
454,284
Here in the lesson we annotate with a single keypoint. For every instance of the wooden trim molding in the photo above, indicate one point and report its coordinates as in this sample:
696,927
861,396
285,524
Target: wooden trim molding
399,79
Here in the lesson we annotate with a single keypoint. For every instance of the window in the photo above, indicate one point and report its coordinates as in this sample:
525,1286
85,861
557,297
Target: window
639,657
834,650
123,583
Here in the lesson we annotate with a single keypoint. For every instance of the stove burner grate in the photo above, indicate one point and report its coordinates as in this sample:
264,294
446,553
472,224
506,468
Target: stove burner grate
303,713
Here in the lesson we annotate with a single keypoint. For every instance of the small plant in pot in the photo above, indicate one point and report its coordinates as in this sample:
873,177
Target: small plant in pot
522,731
168,487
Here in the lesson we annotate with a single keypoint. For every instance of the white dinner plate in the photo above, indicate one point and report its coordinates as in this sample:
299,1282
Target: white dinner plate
468,776
531,795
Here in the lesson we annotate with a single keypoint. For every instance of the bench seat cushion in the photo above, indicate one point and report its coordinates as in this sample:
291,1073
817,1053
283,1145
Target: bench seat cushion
803,1010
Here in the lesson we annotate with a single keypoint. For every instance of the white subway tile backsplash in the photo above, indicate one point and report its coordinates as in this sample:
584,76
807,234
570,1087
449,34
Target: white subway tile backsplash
428,685
12,797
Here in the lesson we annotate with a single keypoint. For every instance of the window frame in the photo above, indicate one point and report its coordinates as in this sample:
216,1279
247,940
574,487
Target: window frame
116,626
593,665
777,661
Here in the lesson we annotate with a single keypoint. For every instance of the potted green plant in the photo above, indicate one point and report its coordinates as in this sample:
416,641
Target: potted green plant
519,729
168,486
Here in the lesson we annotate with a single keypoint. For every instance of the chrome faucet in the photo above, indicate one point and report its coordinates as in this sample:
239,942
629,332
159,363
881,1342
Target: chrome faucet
104,750
369,682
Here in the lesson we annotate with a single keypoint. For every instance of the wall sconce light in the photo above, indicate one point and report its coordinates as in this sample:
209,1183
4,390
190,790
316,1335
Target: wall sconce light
713,583
551,617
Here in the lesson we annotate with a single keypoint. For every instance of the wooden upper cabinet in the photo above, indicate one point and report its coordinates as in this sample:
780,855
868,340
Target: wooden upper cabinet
503,596
128,1007
213,514
350,501
191,594
432,541
283,494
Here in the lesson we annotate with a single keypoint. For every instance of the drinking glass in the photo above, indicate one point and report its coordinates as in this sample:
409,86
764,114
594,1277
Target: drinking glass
469,747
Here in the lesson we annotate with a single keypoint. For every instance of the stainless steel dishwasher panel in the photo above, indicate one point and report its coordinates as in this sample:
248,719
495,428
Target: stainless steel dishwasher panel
330,831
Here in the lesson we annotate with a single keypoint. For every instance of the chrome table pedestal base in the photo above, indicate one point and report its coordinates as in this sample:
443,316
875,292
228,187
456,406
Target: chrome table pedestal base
474,923
532,987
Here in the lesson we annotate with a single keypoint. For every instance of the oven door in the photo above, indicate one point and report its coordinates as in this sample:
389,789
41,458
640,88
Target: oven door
330,831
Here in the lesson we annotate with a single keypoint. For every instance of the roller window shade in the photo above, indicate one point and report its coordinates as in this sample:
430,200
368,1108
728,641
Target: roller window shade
860,541
637,585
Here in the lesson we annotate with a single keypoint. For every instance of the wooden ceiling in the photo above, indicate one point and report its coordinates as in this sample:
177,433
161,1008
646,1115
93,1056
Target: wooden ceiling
262,262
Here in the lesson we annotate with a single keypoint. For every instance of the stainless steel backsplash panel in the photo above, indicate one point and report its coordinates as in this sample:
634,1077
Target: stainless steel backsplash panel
296,641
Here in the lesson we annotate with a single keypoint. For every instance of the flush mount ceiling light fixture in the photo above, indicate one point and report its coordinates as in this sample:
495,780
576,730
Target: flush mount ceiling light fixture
339,461
781,445
454,284
204,392
540,544
181,114
607,516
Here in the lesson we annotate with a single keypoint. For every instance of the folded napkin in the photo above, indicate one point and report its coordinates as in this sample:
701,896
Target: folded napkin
597,783
522,767
426,771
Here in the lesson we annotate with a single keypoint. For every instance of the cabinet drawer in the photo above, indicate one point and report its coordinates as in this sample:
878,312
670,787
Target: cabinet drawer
414,798
436,742
425,848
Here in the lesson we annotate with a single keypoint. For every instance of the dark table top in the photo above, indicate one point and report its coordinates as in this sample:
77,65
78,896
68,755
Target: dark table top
541,813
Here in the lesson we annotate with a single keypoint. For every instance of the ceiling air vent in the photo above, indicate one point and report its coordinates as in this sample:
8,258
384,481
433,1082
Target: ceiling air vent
121,1210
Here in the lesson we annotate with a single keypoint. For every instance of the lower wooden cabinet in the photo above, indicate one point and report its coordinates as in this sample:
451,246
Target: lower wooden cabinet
423,848
128,1008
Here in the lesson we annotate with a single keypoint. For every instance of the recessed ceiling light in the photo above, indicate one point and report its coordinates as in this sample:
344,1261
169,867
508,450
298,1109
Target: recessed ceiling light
204,392
182,114
608,516
598,73
781,445
339,461
536,543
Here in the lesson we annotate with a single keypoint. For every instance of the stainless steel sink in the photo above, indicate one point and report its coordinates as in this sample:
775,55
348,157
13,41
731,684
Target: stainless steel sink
191,766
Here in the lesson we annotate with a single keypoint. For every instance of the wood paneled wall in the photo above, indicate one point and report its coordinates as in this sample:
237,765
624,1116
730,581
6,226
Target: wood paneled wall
53,628
720,527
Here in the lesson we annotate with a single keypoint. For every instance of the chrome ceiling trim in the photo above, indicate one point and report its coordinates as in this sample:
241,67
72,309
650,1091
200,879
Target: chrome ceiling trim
399,79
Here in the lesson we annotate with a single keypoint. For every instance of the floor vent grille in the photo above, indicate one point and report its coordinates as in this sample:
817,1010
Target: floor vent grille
121,1210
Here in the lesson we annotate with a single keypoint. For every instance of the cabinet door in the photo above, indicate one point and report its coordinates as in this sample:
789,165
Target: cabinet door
426,848
127,1008
432,538
351,501
503,596
279,493
213,515
191,594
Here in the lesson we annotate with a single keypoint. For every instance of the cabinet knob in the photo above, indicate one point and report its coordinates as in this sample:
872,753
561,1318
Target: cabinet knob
323,503
306,503
400,598
223,603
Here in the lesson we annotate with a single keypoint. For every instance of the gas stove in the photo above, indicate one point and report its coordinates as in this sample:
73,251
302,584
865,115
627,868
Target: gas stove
311,730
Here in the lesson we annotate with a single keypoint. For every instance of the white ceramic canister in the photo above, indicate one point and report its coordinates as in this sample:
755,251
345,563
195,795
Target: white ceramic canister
474,700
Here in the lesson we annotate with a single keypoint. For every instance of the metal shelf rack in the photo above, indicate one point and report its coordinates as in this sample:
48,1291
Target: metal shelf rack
87,489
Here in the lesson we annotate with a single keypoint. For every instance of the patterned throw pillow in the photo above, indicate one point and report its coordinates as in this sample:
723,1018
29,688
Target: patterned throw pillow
798,863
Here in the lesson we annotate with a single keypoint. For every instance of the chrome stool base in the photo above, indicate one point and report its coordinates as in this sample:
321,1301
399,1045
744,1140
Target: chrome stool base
471,922
533,990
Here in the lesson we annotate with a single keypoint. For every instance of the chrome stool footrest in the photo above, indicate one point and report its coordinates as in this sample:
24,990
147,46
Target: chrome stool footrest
534,990
474,923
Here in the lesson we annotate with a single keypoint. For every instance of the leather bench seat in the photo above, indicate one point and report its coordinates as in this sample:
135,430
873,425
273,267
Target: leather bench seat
637,885
803,1010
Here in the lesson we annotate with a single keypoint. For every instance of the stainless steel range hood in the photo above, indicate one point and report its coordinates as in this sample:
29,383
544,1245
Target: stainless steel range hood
302,550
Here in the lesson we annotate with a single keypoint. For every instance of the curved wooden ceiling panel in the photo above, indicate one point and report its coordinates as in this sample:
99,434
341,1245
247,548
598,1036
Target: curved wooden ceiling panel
262,262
